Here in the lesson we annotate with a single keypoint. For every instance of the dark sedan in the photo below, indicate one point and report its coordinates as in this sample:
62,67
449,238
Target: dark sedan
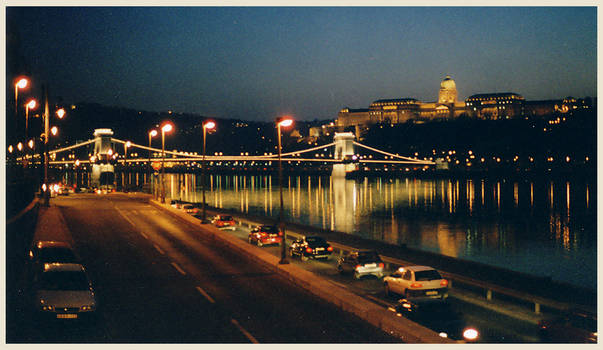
439,316
310,247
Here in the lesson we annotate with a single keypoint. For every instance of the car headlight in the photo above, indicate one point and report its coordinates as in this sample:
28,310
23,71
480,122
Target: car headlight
470,334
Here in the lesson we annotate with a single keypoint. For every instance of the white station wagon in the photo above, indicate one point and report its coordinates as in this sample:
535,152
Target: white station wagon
417,282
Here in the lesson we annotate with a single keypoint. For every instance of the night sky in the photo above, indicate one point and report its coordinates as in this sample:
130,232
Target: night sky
257,63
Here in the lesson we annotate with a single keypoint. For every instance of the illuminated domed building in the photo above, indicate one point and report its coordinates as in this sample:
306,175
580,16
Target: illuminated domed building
406,109
490,106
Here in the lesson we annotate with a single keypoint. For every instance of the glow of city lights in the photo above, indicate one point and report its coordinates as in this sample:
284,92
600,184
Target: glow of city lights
61,113
44,187
77,162
110,152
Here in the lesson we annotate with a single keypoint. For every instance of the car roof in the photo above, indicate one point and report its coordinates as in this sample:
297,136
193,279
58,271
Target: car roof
418,268
52,244
54,267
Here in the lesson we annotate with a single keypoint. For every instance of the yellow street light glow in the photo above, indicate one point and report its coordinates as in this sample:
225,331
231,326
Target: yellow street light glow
10,149
153,133
61,113
285,121
22,83
110,152
77,162
19,146
31,104
167,127
209,125
31,144
54,130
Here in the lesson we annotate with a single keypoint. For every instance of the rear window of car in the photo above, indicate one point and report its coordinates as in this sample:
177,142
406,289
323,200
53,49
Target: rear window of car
315,241
269,229
225,218
368,257
57,255
64,280
427,275
188,206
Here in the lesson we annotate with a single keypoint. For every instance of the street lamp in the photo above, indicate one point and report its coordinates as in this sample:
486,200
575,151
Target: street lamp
285,121
60,113
30,105
208,125
152,134
20,84
167,127
127,144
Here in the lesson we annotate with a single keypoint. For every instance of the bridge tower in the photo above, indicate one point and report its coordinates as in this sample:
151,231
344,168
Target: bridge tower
103,173
344,152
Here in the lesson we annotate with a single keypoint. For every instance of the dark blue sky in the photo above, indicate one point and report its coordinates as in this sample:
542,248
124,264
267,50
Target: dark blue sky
257,63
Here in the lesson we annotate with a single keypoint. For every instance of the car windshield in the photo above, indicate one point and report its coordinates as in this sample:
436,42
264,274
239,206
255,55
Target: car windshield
57,255
226,218
64,280
269,229
428,275
316,241
368,257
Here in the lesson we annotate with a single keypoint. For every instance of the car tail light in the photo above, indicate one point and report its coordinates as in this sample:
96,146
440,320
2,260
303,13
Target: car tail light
330,249
381,265
444,283
280,233
308,250
358,266
416,285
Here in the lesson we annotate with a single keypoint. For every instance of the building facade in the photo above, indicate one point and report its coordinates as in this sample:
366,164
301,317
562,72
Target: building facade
491,106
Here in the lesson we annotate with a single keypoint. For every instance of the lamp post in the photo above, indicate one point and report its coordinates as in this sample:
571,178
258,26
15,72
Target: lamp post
167,127
152,134
127,144
282,122
20,84
30,105
207,125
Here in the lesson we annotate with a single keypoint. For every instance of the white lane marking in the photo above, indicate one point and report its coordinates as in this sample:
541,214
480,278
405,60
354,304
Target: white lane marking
207,296
178,268
159,249
125,217
339,284
244,331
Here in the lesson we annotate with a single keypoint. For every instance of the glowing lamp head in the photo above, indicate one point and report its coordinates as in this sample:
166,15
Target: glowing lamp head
153,133
110,152
470,334
31,104
31,144
284,121
167,127
209,125
19,146
128,144
61,113
10,149
54,130
21,83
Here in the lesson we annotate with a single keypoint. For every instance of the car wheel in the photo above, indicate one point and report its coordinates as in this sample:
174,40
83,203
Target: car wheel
356,275
387,291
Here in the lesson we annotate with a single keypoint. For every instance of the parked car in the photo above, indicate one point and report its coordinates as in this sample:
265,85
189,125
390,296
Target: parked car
575,327
361,263
310,247
63,291
439,316
416,282
189,208
174,203
225,222
264,235
43,252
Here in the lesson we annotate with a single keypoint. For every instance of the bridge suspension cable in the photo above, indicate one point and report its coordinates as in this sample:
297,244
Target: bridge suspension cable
71,147
414,160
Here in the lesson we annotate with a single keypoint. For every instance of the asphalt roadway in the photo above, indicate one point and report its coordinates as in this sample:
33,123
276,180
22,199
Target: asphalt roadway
158,280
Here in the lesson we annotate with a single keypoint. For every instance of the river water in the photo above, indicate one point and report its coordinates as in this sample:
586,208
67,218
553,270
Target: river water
541,227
